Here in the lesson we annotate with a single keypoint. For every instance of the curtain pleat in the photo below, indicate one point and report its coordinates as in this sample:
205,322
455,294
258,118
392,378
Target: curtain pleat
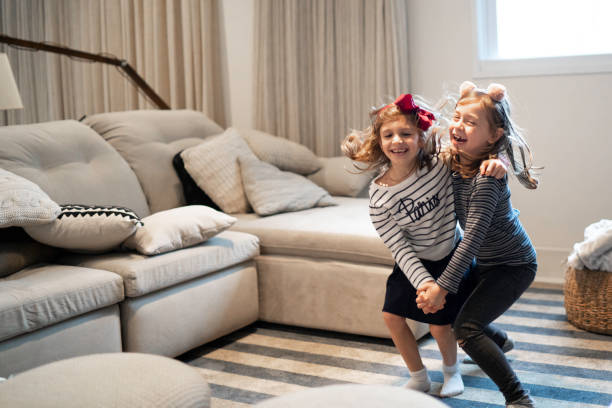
320,65
175,45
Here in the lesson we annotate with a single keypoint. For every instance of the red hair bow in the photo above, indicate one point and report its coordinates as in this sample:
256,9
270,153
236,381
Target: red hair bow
405,104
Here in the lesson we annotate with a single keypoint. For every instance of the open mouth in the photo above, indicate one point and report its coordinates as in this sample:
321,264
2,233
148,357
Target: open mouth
459,139
399,151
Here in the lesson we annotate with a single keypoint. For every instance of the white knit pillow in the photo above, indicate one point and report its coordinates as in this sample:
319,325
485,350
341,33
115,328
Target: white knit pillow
271,190
178,228
24,203
213,165
282,153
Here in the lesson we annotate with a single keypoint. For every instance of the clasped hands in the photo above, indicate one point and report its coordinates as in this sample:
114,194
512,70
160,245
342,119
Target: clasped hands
431,297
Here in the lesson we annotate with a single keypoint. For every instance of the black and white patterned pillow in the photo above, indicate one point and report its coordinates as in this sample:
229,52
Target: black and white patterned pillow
78,210
87,228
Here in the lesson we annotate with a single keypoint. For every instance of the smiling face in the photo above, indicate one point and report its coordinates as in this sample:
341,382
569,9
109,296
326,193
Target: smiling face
400,141
470,131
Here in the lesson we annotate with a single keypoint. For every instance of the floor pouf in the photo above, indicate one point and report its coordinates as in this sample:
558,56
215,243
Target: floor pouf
353,395
108,380
588,299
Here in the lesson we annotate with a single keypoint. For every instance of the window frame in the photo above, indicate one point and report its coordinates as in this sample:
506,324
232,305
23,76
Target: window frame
486,65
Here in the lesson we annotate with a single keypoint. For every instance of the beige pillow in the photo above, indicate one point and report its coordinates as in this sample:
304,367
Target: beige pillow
178,228
271,190
87,228
280,152
213,165
340,178
23,202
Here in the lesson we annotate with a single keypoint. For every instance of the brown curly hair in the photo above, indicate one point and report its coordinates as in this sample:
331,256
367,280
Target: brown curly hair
364,145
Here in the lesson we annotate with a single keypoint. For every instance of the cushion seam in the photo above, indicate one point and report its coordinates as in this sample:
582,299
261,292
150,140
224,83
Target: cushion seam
317,249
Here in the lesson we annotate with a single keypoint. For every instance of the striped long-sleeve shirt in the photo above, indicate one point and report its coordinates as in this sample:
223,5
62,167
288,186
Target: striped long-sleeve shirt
416,219
492,231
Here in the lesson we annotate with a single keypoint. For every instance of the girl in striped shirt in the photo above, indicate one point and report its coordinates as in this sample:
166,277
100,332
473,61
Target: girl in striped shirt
412,208
482,128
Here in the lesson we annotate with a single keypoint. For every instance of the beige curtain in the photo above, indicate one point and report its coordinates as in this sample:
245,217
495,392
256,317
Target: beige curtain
175,45
321,64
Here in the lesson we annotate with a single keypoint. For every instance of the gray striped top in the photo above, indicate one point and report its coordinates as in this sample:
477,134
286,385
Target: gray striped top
492,231
416,219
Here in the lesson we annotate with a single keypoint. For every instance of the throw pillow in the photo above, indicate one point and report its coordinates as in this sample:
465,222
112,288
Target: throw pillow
84,228
271,190
213,165
22,202
178,228
194,195
280,152
340,178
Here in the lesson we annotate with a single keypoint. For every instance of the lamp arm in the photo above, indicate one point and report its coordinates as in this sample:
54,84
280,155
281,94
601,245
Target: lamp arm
120,64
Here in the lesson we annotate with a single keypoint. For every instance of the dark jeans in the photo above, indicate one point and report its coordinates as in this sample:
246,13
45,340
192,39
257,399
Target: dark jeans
497,288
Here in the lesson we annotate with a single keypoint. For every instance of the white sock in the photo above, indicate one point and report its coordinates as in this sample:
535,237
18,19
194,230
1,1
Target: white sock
453,383
419,380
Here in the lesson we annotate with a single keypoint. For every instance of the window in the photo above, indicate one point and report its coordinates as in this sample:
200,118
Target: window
542,37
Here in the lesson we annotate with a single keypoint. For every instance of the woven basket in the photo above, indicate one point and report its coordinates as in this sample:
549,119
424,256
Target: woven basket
588,299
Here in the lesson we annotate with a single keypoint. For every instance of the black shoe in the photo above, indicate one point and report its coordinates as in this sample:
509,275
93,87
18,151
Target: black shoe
524,402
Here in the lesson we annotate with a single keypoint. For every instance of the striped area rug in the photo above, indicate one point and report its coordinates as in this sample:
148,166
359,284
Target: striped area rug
561,365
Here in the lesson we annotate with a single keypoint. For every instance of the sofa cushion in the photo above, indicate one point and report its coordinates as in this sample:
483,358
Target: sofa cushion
280,152
342,232
178,228
213,164
14,256
148,140
271,190
340,177
72,164
144,274
87,228
18,250
41,295
23,202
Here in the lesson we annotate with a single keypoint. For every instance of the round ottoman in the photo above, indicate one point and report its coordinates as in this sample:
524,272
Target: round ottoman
353,395
108,380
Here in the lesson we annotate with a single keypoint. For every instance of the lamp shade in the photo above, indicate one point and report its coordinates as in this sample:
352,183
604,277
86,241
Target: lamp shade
9,94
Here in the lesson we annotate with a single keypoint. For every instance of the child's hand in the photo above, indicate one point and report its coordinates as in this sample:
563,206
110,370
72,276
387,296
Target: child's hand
423,288
422,293
431,298
493,168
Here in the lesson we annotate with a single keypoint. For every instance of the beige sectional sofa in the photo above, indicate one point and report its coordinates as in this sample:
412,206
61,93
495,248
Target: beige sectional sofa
324,267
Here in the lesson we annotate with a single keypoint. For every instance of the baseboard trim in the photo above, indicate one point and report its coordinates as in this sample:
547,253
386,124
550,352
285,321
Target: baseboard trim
551,265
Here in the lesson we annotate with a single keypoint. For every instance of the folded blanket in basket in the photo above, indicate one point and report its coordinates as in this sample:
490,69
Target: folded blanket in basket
595,252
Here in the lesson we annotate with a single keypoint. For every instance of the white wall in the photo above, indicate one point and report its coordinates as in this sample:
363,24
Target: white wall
565,118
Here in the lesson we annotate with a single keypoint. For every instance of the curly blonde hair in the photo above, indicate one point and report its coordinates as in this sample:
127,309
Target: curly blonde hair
364,145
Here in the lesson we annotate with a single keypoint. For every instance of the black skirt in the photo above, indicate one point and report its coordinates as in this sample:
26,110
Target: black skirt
400,298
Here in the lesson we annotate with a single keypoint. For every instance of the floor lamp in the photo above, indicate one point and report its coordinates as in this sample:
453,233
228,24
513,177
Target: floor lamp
9,94
122,65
